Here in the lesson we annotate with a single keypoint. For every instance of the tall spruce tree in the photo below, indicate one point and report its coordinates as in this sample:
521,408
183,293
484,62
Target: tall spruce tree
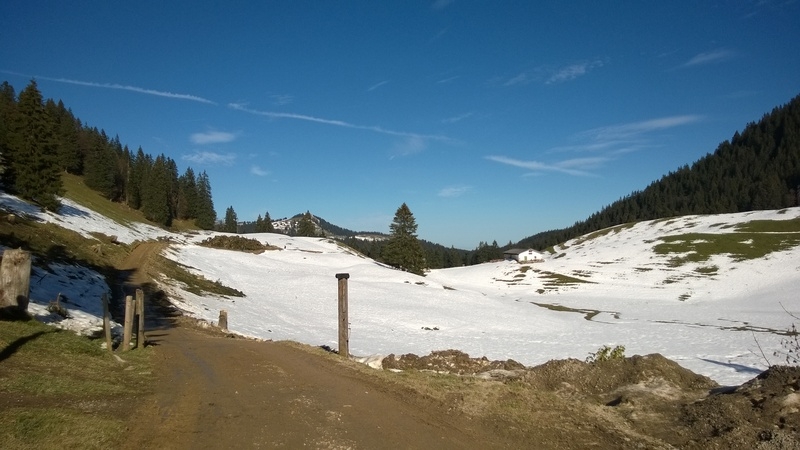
231,221
403,250
155,194
305,226
32,151
205,216
8,106
187,195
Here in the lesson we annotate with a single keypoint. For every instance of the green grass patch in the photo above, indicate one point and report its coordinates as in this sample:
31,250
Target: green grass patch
699,247
77,191
61,390
770,226
196,284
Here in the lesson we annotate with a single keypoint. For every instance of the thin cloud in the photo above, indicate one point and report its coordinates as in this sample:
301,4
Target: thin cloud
122,87
573,71
212,137
710,58
409,146
459,118
454,191
338,123
210,158
523,78
575,167
448,80
439,5
605,143
281,99
258,171
550,75
625,132
376,86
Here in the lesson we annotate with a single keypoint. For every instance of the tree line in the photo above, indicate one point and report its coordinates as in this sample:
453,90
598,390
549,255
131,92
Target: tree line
41,139
756,169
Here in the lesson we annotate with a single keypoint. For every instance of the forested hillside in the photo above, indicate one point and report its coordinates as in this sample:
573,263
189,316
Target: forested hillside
756,169
41,139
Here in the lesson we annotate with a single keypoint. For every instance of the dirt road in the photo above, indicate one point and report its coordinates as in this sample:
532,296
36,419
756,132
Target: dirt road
217,392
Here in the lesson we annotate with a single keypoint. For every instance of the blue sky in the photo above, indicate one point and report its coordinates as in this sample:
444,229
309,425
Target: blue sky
492,120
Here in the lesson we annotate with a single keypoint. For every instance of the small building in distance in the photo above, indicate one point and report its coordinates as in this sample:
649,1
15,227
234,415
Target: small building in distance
523,255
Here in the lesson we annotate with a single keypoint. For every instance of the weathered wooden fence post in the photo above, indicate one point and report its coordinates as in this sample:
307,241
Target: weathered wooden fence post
107,323
344,324
223,320
15,282
140,312
127,328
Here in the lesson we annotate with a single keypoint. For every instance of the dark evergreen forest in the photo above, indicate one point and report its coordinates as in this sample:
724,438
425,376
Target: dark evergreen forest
756,169
40,139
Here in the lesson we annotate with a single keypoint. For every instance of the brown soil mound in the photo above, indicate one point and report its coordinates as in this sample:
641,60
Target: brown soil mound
651,396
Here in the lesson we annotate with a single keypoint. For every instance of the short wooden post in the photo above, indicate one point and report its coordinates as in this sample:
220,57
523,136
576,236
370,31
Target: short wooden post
344,324
15,282
107,323
223,320
140,340
127,329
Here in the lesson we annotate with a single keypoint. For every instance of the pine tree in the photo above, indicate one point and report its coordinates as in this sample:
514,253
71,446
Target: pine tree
155,193
403,250
205,216
187,195
8,106
268,227
231,221
32,151
306,226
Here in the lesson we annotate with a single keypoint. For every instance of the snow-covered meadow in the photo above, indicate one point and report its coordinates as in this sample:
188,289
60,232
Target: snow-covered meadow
711,321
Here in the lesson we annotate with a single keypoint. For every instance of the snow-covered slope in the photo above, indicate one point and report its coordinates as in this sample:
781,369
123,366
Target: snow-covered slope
613,288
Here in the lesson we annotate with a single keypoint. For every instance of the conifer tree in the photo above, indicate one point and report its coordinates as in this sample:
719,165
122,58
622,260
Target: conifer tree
268,227
403,250
205,216
187,195
306,226
231,221
155,193
32,151
8,106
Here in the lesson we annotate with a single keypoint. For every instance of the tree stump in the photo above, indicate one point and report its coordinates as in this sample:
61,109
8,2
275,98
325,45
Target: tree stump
15,282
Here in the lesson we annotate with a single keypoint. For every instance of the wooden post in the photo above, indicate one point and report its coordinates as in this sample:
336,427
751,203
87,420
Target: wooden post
140,312
223,320
15,282
127,329
107,323
344,324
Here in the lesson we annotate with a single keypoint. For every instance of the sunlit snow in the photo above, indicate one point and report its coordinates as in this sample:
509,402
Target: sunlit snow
712,323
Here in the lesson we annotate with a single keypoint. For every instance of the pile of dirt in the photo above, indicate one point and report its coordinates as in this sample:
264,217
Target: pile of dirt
652,396
449,361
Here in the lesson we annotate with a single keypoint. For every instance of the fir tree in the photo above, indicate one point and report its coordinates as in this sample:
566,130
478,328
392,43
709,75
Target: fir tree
155,193
231,221
32,151
205,215
268,227
403,250
305,226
